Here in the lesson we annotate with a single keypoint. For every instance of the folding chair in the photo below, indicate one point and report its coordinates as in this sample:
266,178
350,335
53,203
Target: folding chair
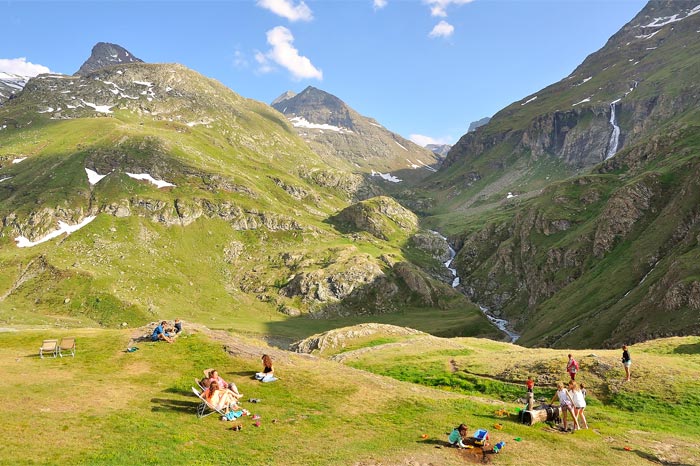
67,345
205,408
48,347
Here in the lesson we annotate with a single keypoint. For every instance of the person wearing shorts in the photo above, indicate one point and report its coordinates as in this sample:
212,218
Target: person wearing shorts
626,362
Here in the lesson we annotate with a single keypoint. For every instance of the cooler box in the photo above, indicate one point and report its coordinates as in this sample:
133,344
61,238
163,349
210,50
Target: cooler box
481,436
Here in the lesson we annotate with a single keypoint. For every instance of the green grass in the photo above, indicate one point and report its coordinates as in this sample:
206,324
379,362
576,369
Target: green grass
106,406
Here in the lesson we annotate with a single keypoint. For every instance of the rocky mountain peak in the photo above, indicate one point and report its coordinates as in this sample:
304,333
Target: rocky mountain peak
106,54
285,96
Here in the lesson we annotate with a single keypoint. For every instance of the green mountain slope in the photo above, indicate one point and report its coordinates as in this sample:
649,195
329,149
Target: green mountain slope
607,255
241,219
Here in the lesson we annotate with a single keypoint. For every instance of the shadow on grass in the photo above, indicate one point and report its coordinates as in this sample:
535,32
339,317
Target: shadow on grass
652,458
688,349
178,391
250,374
163,404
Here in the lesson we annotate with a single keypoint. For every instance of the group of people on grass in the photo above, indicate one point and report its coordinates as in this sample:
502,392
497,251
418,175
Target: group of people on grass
572,398
162,332
225,396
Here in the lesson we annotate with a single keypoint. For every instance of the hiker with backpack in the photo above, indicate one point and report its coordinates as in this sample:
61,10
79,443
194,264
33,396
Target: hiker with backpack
572,367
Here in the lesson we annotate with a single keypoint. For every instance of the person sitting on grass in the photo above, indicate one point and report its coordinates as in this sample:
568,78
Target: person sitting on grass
160,334
457,436
215,377
178,326
268,373
566,404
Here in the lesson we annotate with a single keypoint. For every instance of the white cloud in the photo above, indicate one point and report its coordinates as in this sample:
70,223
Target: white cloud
21,67
439,7
379,4
287,9
284,54
423,141
442,29
240,60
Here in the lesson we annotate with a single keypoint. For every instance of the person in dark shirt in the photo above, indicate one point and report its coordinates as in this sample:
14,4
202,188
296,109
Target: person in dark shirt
626,362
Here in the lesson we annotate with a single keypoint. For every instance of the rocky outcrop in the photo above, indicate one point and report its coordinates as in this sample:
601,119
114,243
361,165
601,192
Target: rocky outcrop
342,337
381,216
348,274
622,211
433,244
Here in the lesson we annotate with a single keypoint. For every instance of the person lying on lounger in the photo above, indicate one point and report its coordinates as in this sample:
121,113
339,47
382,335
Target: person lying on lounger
215,377
221,398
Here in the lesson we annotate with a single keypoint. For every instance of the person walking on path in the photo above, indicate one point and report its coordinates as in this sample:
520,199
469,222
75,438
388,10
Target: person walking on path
626,362
572,367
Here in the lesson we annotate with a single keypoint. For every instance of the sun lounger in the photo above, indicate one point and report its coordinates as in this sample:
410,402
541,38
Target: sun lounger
205,408
48,347
67,345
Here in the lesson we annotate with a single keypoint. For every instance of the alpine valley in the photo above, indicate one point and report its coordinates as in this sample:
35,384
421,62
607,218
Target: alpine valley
574,212
400,290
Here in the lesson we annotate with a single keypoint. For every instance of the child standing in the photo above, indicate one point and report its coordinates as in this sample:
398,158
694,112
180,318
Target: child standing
530,384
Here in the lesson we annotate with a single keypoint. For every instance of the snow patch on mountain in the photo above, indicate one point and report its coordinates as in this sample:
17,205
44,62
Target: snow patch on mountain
401,146
93,176
98,108
150,179
587,99
386,176
664,20
63,227
18,160
529,100
301,122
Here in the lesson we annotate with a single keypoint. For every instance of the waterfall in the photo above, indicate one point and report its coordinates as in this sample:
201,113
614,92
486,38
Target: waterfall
501,324
453,253
615,136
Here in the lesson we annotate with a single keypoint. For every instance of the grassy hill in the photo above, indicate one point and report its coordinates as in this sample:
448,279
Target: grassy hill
106,406
244,239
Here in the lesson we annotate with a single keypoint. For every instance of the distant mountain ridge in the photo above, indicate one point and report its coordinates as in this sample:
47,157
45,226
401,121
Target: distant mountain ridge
106,54
351,141
478,123
11,85
439,149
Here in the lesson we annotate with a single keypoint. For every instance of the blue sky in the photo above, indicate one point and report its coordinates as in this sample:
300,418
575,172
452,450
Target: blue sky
423,68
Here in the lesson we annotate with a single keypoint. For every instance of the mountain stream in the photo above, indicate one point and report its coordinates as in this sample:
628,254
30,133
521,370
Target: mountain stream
502,324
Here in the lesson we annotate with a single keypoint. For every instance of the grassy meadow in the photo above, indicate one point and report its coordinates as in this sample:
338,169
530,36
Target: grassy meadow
106,406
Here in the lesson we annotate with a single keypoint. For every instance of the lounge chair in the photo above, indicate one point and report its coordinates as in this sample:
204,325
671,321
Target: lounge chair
67,345
205,408
48,347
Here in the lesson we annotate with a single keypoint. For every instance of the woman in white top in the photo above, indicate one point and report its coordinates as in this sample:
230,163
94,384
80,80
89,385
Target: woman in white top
579,402
566,404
